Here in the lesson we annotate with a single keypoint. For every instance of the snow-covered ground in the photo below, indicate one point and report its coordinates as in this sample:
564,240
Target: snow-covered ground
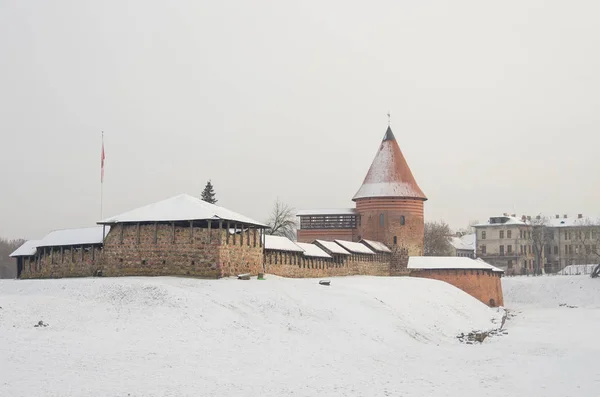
362,336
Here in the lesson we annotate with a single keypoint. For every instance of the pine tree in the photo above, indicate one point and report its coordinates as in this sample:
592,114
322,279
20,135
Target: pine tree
208,194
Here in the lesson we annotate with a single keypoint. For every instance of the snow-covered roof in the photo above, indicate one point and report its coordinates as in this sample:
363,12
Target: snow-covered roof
449,262
571,222
278,243
330,211
180,208
332,247
510,220
389,174
81,236
375,245
28,248
466,242
314,251
356,248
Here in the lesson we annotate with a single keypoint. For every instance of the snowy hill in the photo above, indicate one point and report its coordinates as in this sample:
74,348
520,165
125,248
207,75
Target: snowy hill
551,291
361,336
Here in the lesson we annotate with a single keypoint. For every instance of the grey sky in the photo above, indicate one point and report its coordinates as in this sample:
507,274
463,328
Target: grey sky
494,104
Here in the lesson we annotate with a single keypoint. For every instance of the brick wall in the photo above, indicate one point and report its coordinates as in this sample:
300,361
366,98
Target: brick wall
484,285
55,262
409,235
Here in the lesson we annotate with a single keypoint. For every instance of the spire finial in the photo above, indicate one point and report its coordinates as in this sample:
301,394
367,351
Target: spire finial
389,118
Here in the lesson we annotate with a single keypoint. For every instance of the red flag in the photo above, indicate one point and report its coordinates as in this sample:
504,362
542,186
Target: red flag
102,156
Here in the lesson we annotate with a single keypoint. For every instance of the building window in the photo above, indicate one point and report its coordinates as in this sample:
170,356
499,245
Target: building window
501,233
510,264
566,236
570,249
402,220
509,248
502,250
381,220
520,233
555,250
509,234
483,249
529,234
395,240
483,235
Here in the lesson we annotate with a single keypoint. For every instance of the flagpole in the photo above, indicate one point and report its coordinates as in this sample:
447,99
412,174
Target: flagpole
102,176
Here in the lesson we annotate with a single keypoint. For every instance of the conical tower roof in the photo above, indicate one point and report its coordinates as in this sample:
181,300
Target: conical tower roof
389,175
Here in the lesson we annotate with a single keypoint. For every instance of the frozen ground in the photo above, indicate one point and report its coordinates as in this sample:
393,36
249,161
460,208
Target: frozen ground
362,336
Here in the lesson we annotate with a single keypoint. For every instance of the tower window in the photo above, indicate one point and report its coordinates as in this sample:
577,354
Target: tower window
402,220
381,220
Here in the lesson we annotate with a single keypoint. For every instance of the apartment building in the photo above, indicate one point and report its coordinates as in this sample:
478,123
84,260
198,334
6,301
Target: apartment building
506,242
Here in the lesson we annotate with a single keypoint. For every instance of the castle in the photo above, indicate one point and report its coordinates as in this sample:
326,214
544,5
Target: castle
389,206
185,236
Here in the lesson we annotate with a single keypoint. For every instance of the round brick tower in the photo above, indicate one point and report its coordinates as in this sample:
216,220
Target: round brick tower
390,202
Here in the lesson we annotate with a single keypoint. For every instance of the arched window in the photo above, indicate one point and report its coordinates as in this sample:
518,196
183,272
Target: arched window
402,220
381,220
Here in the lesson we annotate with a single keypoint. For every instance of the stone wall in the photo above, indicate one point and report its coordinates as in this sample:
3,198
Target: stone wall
484,285
167,250
291,264
56,262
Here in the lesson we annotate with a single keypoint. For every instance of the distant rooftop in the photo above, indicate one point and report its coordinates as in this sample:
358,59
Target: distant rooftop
67,237
313,251
356,248
332,247
279,243
466,242
376,245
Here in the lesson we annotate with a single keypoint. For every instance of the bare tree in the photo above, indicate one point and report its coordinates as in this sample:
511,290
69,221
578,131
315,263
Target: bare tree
437,239
282,221
8,267
540,238
587,249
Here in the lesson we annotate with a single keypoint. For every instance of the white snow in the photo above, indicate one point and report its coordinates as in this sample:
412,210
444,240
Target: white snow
28,248
578,270
80,236
180,208
362,336
332,247
449,262
356,248
312,250
466,242
279,243
551,291
376,245
330,211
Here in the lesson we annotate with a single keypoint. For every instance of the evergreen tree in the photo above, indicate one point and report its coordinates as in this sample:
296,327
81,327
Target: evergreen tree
208,194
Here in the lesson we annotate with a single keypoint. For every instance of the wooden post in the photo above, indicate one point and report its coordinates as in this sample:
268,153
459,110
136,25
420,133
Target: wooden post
93,253
209,232
62,254
220,232
72,254
248,236
242,234
228,228
234,232
173,228
138,233
191,231
82,254
122,228
155,233
254,237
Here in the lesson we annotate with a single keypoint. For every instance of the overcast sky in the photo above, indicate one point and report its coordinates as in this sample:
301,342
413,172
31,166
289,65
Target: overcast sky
495,105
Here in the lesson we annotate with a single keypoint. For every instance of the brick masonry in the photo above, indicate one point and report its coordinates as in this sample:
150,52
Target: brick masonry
56,262
484,285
